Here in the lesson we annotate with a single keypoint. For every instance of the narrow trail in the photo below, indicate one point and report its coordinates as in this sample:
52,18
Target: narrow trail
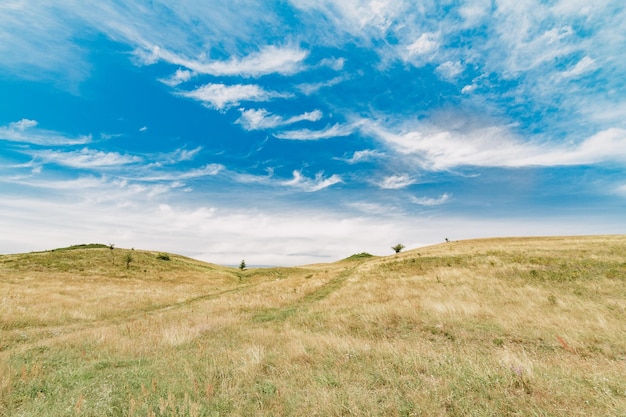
43,335
302,303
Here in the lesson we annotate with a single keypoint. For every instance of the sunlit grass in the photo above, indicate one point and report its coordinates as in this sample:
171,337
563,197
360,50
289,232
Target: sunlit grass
487,327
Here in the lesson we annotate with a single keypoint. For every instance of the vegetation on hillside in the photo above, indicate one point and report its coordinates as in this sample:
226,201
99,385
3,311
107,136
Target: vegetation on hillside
359,256
484,327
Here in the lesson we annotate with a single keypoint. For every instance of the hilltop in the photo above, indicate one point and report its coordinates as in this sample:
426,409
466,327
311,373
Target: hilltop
514,326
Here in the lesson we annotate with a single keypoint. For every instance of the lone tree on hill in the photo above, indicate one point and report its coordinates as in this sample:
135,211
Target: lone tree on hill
398,247
242,265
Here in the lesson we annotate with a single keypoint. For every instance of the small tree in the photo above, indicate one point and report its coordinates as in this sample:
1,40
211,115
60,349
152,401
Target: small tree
242,265
128,259
398,247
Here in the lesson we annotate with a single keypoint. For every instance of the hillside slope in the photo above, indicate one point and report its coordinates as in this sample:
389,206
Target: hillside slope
517,326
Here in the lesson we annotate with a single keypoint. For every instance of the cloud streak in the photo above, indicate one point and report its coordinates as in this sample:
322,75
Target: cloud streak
318,183
333,131
437,148
221,96
431,202
269,60
26,131
86,158
395,182
258,119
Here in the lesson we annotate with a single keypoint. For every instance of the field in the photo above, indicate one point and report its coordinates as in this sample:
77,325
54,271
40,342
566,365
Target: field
490,327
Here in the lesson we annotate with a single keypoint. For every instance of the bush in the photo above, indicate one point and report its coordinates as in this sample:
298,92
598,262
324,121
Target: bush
163,256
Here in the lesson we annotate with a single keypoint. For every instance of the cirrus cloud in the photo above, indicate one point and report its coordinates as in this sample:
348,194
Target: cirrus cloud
256,119
220,96
440,148
333,131
395,182
312,184
86,158
26,130
269,60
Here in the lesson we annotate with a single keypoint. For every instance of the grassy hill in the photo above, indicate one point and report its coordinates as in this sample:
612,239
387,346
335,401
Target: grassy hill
491,327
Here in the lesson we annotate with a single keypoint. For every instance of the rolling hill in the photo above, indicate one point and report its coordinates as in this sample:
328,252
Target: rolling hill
489,327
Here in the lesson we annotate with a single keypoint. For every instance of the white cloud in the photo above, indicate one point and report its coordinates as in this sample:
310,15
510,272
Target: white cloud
333,63
440,148
97,190
179,155
358,17
426,44
184,154
311,88
221,96
607,145
254,179
298,180
26,130
585,65
269,60
363,156
524,43
312,116
620,190
334,131
312,184
22,124
450,70
428,201
396,182
252,119
468,89
179,77
474,13
86,158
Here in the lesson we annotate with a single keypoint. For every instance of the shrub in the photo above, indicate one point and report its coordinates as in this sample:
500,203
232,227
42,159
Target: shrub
128,259
163,257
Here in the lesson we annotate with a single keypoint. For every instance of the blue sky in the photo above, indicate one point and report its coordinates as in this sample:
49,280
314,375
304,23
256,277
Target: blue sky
303,131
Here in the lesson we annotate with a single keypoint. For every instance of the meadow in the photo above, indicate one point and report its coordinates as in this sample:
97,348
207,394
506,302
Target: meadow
489,327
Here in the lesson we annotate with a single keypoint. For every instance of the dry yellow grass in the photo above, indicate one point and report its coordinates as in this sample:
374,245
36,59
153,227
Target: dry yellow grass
518,326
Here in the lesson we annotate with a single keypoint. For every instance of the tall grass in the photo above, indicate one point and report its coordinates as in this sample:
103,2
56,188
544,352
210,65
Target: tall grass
463,328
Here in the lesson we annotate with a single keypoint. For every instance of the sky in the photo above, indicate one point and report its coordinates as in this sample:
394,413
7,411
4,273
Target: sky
303,131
